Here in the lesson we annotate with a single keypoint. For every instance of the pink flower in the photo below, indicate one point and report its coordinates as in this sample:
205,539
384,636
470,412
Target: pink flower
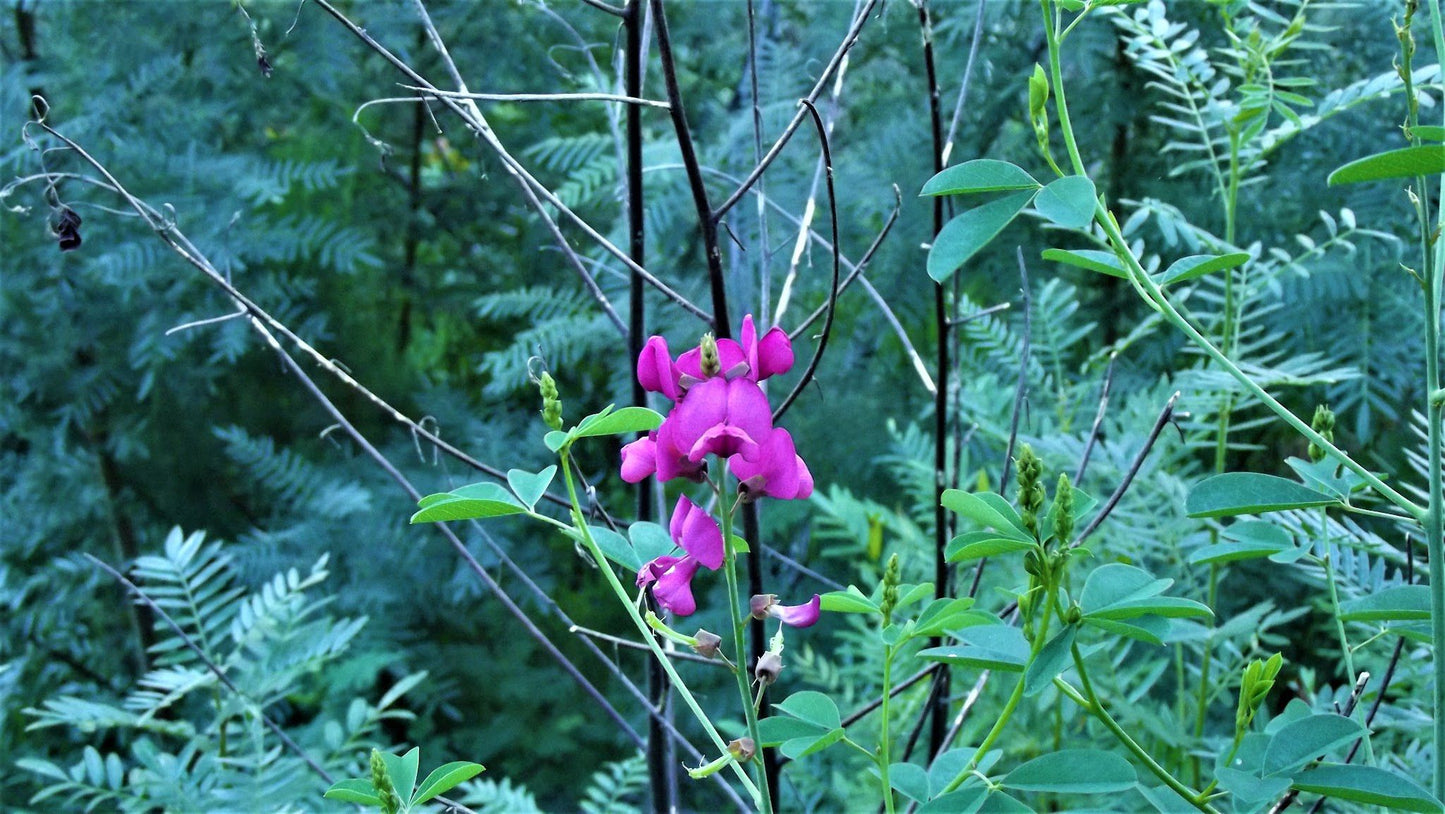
764,605
721,417
778,472
671,580
656,371
757,359
697,533
654,454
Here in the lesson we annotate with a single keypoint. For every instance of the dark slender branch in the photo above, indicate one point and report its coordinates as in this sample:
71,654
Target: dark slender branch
722,325
833,291
797,566
942,573
963,86
765,277
863,711
215,669
1159,424
1098,419
837,59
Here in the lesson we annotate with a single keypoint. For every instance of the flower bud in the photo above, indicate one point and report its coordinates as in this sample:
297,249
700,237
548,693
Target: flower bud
551,402
709,362
1324,424
769,667
1031,488
892,575
742,749
706,644
1063,511
1073,614
758,606
381,781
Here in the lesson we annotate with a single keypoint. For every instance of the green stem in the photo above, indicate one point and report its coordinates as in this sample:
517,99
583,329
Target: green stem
627,602
739,620
1010,705
1335,600
883,734
1091,704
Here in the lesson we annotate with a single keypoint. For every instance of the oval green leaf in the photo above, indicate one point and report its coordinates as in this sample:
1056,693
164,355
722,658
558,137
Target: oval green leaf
1068,202
849,601
962,237
1396,603
1369,785
1298,742
979,175
530,486
444,778
813,707
1407,162
1091,259
1074,771
990,647
981,511
464,508
628,419
1235,493
1198,265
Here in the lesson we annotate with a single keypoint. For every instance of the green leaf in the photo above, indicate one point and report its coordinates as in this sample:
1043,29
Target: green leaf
945,615
616,548
1198,265
1426,132
849,601
467,508
962,237
1051,661
446,777
650,541
1369,785
1068,202
556,439
976,545
530,486
1250,493
1118,591
910,779
625,420
813,707
1248,789
981,511
979,175
1406,162
1074,771
1091,259
354,791
1232,552
1299,742
963,801
402,769
990,647
776,729
1396,603
1151,629
802,747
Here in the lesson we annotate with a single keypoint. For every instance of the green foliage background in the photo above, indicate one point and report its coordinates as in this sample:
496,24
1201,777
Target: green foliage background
406,254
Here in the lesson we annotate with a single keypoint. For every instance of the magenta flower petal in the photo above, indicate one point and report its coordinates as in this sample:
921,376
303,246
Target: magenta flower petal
803,615
672,462
697,532
774,354
721,417
639,458
778,472
673,588
654,569
656,371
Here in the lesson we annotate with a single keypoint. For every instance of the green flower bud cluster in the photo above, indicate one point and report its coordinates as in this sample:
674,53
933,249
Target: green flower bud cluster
1031,488
892,576
551,401
1038,112
1258,680
381,781
1063,511
1324,424
710,364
